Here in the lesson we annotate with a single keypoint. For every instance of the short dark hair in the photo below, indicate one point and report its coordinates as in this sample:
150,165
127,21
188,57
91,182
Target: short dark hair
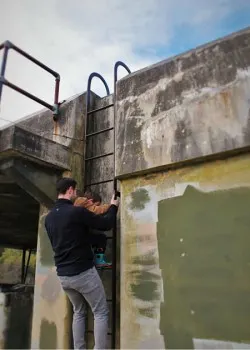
92,195
64,184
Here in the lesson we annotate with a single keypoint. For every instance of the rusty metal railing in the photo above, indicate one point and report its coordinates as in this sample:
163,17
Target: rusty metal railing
6,46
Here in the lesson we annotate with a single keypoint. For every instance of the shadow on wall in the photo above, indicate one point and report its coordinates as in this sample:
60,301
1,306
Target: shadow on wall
203,241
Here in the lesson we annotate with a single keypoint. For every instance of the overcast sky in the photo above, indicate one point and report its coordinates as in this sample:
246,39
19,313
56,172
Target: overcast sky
76,37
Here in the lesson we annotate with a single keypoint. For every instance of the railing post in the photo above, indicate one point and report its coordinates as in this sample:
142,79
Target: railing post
6,46
55,107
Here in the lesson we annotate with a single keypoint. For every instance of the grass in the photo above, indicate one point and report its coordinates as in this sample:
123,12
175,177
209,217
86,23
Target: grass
11,265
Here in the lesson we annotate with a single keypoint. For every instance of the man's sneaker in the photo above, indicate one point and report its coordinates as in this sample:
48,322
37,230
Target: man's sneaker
100,261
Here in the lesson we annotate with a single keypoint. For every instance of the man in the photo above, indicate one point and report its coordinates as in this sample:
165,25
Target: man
93,202
68,230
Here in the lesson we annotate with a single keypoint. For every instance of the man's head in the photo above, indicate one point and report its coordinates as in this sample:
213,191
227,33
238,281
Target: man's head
66,188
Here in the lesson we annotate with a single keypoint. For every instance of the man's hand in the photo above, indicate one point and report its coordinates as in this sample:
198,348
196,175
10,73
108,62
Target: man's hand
114,201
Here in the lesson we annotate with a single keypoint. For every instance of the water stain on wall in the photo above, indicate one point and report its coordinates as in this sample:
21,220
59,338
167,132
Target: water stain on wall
46,252
139,199
203,241
48,335
145,287
145,282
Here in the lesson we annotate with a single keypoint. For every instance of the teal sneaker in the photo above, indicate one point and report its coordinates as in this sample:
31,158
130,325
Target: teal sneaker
100,261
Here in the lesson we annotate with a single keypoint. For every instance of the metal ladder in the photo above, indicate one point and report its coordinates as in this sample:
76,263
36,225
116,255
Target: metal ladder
88,161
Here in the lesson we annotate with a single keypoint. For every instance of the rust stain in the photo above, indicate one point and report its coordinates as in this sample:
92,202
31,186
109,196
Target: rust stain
227,102
225,97
56,128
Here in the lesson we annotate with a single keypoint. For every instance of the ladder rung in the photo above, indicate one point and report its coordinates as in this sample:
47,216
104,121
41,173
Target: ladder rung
99,132
92,332
99,183
100,156
100,109
104,268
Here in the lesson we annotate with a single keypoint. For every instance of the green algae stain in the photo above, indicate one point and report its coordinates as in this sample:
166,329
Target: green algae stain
139,199
203,242
48,335
145,287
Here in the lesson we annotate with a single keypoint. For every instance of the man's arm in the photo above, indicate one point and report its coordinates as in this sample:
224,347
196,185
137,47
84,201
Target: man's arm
99,209
99,222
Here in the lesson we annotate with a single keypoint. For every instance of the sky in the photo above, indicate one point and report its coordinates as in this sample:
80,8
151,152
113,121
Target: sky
77,37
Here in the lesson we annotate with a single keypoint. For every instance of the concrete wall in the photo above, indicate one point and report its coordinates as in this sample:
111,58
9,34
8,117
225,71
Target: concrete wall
185,257
184,229
15,317
192,106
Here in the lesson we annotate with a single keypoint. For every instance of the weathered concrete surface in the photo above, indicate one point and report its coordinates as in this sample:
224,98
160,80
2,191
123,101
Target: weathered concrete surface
18,142
184,233
185,258
51,315
193,105
15,317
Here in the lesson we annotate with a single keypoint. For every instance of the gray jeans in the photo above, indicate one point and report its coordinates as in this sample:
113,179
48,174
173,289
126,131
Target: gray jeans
87,286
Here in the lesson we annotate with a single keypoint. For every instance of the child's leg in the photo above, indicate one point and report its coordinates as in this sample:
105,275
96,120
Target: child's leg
99,243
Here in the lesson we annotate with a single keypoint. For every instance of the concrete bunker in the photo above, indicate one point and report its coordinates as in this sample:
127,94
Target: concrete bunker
188,110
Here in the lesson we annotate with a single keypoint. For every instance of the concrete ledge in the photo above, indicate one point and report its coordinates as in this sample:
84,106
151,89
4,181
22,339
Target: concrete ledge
16,141
191,106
